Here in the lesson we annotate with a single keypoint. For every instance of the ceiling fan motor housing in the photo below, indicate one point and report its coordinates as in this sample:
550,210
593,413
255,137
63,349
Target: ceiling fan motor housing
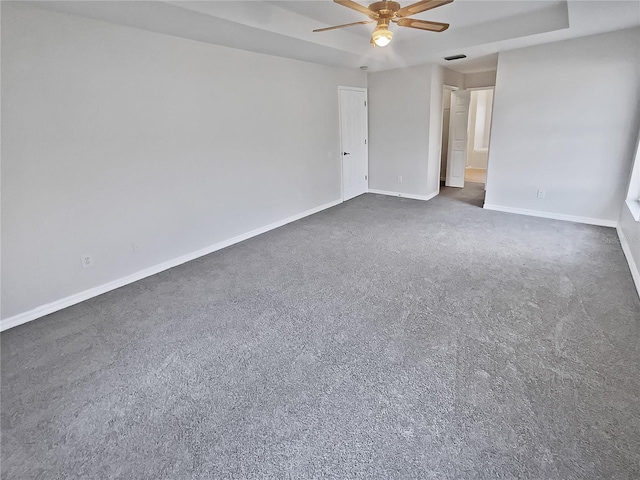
386,10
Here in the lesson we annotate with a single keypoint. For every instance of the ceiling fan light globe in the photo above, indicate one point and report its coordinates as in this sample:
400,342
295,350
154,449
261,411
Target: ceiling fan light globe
382,37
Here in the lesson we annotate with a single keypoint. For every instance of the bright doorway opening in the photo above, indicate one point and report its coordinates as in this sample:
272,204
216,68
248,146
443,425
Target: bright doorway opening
466,131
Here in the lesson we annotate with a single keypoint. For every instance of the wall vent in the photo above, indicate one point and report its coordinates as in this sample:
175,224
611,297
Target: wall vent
455,57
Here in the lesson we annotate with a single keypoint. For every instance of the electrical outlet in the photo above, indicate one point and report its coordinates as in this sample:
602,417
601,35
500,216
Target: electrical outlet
399,178
541,194
87,261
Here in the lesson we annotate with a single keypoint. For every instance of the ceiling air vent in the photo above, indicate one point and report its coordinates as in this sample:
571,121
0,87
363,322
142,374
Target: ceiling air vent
455,57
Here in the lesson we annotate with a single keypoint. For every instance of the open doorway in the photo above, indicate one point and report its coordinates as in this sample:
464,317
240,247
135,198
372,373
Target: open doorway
466,130
479,128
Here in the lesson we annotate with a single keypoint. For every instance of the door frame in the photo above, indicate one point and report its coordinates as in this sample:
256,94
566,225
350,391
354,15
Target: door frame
366,127
472,89
451,147
442,178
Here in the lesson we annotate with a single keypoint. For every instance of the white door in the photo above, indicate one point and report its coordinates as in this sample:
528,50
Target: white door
458,123
353,141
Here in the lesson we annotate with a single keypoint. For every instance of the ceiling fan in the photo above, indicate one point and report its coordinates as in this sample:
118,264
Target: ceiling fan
386,11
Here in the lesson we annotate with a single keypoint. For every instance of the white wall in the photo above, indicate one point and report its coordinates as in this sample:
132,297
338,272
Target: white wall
436,108
453,78
405,128
629,223
114,136
480,79
565,120
629,233
399,116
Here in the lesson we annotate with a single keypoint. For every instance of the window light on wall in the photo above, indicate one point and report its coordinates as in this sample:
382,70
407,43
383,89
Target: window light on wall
633,195
484,102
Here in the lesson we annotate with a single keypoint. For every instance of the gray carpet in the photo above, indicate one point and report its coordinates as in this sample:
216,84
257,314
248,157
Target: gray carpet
384,338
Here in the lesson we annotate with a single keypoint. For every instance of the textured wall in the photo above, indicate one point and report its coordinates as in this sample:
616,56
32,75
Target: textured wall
405,128
138,148
399,117
565,120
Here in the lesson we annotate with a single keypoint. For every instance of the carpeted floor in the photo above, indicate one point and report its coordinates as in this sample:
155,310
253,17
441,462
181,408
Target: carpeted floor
384,338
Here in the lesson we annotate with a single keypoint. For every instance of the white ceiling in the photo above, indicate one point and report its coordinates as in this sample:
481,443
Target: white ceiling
479,29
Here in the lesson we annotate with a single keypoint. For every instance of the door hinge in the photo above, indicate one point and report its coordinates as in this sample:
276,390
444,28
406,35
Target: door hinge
365,103
366,177
365,141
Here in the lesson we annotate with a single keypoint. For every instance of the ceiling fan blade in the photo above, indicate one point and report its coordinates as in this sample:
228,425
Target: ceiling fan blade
357,7
345,25
421,6
423,24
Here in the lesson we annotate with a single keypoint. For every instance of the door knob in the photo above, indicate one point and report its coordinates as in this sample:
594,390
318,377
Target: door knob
346,153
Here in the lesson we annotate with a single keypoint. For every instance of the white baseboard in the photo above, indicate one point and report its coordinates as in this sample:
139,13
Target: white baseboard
626,248
555,216
65,302
404,195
